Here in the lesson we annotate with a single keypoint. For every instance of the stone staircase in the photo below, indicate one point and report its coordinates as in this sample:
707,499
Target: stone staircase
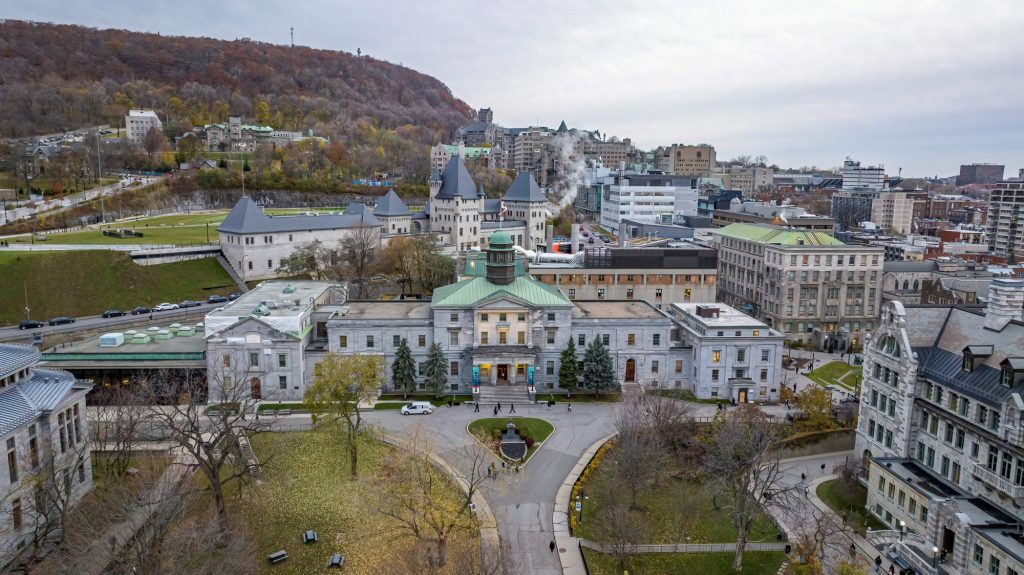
506,394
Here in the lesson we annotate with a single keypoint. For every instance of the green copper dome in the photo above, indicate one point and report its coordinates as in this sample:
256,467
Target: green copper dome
500,240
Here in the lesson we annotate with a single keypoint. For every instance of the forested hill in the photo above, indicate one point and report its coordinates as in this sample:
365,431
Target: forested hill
55,77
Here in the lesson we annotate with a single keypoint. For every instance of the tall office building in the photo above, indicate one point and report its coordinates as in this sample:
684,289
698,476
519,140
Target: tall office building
980,174
857,177
1005,207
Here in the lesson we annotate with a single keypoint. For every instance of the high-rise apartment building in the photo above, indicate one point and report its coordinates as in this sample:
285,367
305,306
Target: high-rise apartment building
808,285
686,160
647,198
980,174
856,177
1005,210
138,122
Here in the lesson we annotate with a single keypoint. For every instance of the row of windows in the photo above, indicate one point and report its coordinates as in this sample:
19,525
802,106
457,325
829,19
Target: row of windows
983,416
254,359
994,563
900,499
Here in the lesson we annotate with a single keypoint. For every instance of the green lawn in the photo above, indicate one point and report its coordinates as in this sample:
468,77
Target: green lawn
492,427
830,373
677,511
685,395
754,563
581,396
177,219
306,485
829,493
87,282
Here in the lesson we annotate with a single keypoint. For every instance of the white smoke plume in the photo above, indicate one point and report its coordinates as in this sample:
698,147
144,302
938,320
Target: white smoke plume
571,169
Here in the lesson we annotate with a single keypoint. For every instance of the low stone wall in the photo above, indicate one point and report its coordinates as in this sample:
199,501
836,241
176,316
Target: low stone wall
689,547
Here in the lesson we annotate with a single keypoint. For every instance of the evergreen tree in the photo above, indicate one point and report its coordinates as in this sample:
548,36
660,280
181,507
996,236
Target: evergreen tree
567,371
403,369
437,370
598,368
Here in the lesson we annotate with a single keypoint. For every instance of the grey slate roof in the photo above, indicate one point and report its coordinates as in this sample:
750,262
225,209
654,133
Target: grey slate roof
979,350
925,266
14,358
248,218
1015,363
25,400
492,206
944,367
524,189
391,205
456,182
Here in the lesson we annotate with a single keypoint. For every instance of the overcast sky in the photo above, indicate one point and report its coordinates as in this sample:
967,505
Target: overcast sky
924,86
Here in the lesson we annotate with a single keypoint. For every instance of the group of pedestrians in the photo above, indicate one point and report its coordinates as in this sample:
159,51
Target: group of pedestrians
506,468
497,408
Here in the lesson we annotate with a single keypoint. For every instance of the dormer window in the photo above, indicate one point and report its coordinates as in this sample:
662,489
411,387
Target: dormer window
968,363
1011,371
975,352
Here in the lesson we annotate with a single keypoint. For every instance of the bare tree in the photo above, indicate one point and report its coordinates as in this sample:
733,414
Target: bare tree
154,141
621,529
118,427
741,463
308,259
822,541
210,437
640,460
416,495
848,480
358,254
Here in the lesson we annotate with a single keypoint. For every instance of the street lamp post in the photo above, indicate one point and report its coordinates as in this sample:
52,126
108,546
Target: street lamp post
935,557
903,526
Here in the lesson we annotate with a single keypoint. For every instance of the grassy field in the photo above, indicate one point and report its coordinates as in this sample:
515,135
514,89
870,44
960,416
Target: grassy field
840,503
754,563
180,235
88,282
492,427
830,373
677,511
686,395
306,485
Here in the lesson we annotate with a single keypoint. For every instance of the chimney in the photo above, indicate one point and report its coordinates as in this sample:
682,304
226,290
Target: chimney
622,234
1005,300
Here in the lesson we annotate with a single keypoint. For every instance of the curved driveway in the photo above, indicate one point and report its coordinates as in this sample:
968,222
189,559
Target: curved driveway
521,503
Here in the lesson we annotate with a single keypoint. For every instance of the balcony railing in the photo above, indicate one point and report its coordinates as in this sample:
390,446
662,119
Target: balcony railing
993,479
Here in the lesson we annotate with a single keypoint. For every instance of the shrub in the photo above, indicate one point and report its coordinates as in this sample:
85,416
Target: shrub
529,441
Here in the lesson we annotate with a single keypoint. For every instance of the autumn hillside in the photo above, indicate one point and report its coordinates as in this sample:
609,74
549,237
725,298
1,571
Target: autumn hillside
55,77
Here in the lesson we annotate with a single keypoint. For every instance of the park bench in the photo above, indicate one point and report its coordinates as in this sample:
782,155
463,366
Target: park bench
309,536
336,560
277,557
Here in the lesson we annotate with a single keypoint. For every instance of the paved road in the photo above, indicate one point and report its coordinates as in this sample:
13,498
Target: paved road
193,314
68,201
521,503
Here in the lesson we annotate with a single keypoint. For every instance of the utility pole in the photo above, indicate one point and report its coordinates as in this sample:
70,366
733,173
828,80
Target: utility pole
292,29
99,175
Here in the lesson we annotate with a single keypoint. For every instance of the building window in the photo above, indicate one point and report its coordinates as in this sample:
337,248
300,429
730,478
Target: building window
551,316
741,355
551,337
764,375
657,293
483,317
33,446
979,554
282,381
656,339
254,359
453,317
453,338
520,369
421,340
572,293
549,368
421,369
582,340
631,339
605,338
716,356
629,293
16,517
521,337
483,337
342,341
654,367
503,317
282,360
600,293
714,375
396,340
679,366
12,459
502,337
369,341
227,360
455,368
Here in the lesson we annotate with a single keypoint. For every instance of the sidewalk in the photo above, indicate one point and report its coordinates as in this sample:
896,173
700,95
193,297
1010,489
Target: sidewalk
866,550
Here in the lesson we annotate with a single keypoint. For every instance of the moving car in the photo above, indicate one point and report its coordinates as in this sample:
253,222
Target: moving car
233,296
113,313
61,320
190,303
216,299
418,407
165,306
141,310
30,324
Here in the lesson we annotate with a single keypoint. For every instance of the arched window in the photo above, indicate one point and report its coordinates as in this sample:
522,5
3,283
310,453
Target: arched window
906,284
916,285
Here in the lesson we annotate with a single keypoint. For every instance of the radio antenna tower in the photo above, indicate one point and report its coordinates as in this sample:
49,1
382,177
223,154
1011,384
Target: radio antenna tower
292,30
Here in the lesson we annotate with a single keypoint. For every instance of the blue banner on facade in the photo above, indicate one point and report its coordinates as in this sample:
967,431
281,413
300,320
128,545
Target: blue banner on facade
476,375
529,375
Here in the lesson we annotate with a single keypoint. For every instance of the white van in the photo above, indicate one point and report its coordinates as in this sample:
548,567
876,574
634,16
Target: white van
417,407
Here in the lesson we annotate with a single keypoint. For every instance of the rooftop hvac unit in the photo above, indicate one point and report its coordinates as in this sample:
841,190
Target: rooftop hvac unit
111,339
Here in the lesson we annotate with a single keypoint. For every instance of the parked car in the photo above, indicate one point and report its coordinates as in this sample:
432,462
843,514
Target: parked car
30,324
216,299
233,296
113,313
61,320
189,303
418,407
141,310
165,306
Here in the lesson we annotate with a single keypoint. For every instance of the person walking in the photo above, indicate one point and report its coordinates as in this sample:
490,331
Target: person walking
476,407
892,569
551,546
499,406
495,410
807,492
570,408
878,563
511,408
